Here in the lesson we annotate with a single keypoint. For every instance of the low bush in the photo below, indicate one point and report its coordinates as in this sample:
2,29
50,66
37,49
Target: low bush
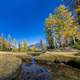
77,46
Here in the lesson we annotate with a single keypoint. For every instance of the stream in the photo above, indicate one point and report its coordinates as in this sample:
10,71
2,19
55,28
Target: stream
34,72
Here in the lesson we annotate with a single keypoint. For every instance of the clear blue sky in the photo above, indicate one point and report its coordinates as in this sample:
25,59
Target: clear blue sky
24,19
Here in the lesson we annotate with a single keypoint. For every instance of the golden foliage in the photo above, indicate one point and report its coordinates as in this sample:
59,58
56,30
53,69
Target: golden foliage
63,18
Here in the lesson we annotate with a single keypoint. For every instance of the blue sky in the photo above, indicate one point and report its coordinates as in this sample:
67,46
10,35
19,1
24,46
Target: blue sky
24,19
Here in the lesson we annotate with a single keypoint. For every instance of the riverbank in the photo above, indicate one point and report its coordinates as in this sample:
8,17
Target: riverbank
9,67
54,61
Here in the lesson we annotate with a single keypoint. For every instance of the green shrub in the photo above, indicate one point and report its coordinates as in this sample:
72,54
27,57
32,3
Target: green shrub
77,46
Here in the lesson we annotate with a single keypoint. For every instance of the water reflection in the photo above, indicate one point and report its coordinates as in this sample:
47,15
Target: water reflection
34,72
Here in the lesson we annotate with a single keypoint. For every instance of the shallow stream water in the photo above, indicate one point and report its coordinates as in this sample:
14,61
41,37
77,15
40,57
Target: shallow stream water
34,72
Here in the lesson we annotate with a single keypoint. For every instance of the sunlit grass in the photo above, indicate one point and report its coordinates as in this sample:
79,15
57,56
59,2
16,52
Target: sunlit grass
8,65
59,56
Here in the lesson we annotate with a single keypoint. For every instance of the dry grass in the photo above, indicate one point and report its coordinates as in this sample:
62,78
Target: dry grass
61,71
8,65
64,72
58,56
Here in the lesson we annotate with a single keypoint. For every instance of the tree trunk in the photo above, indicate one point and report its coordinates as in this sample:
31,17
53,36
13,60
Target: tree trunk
55,37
